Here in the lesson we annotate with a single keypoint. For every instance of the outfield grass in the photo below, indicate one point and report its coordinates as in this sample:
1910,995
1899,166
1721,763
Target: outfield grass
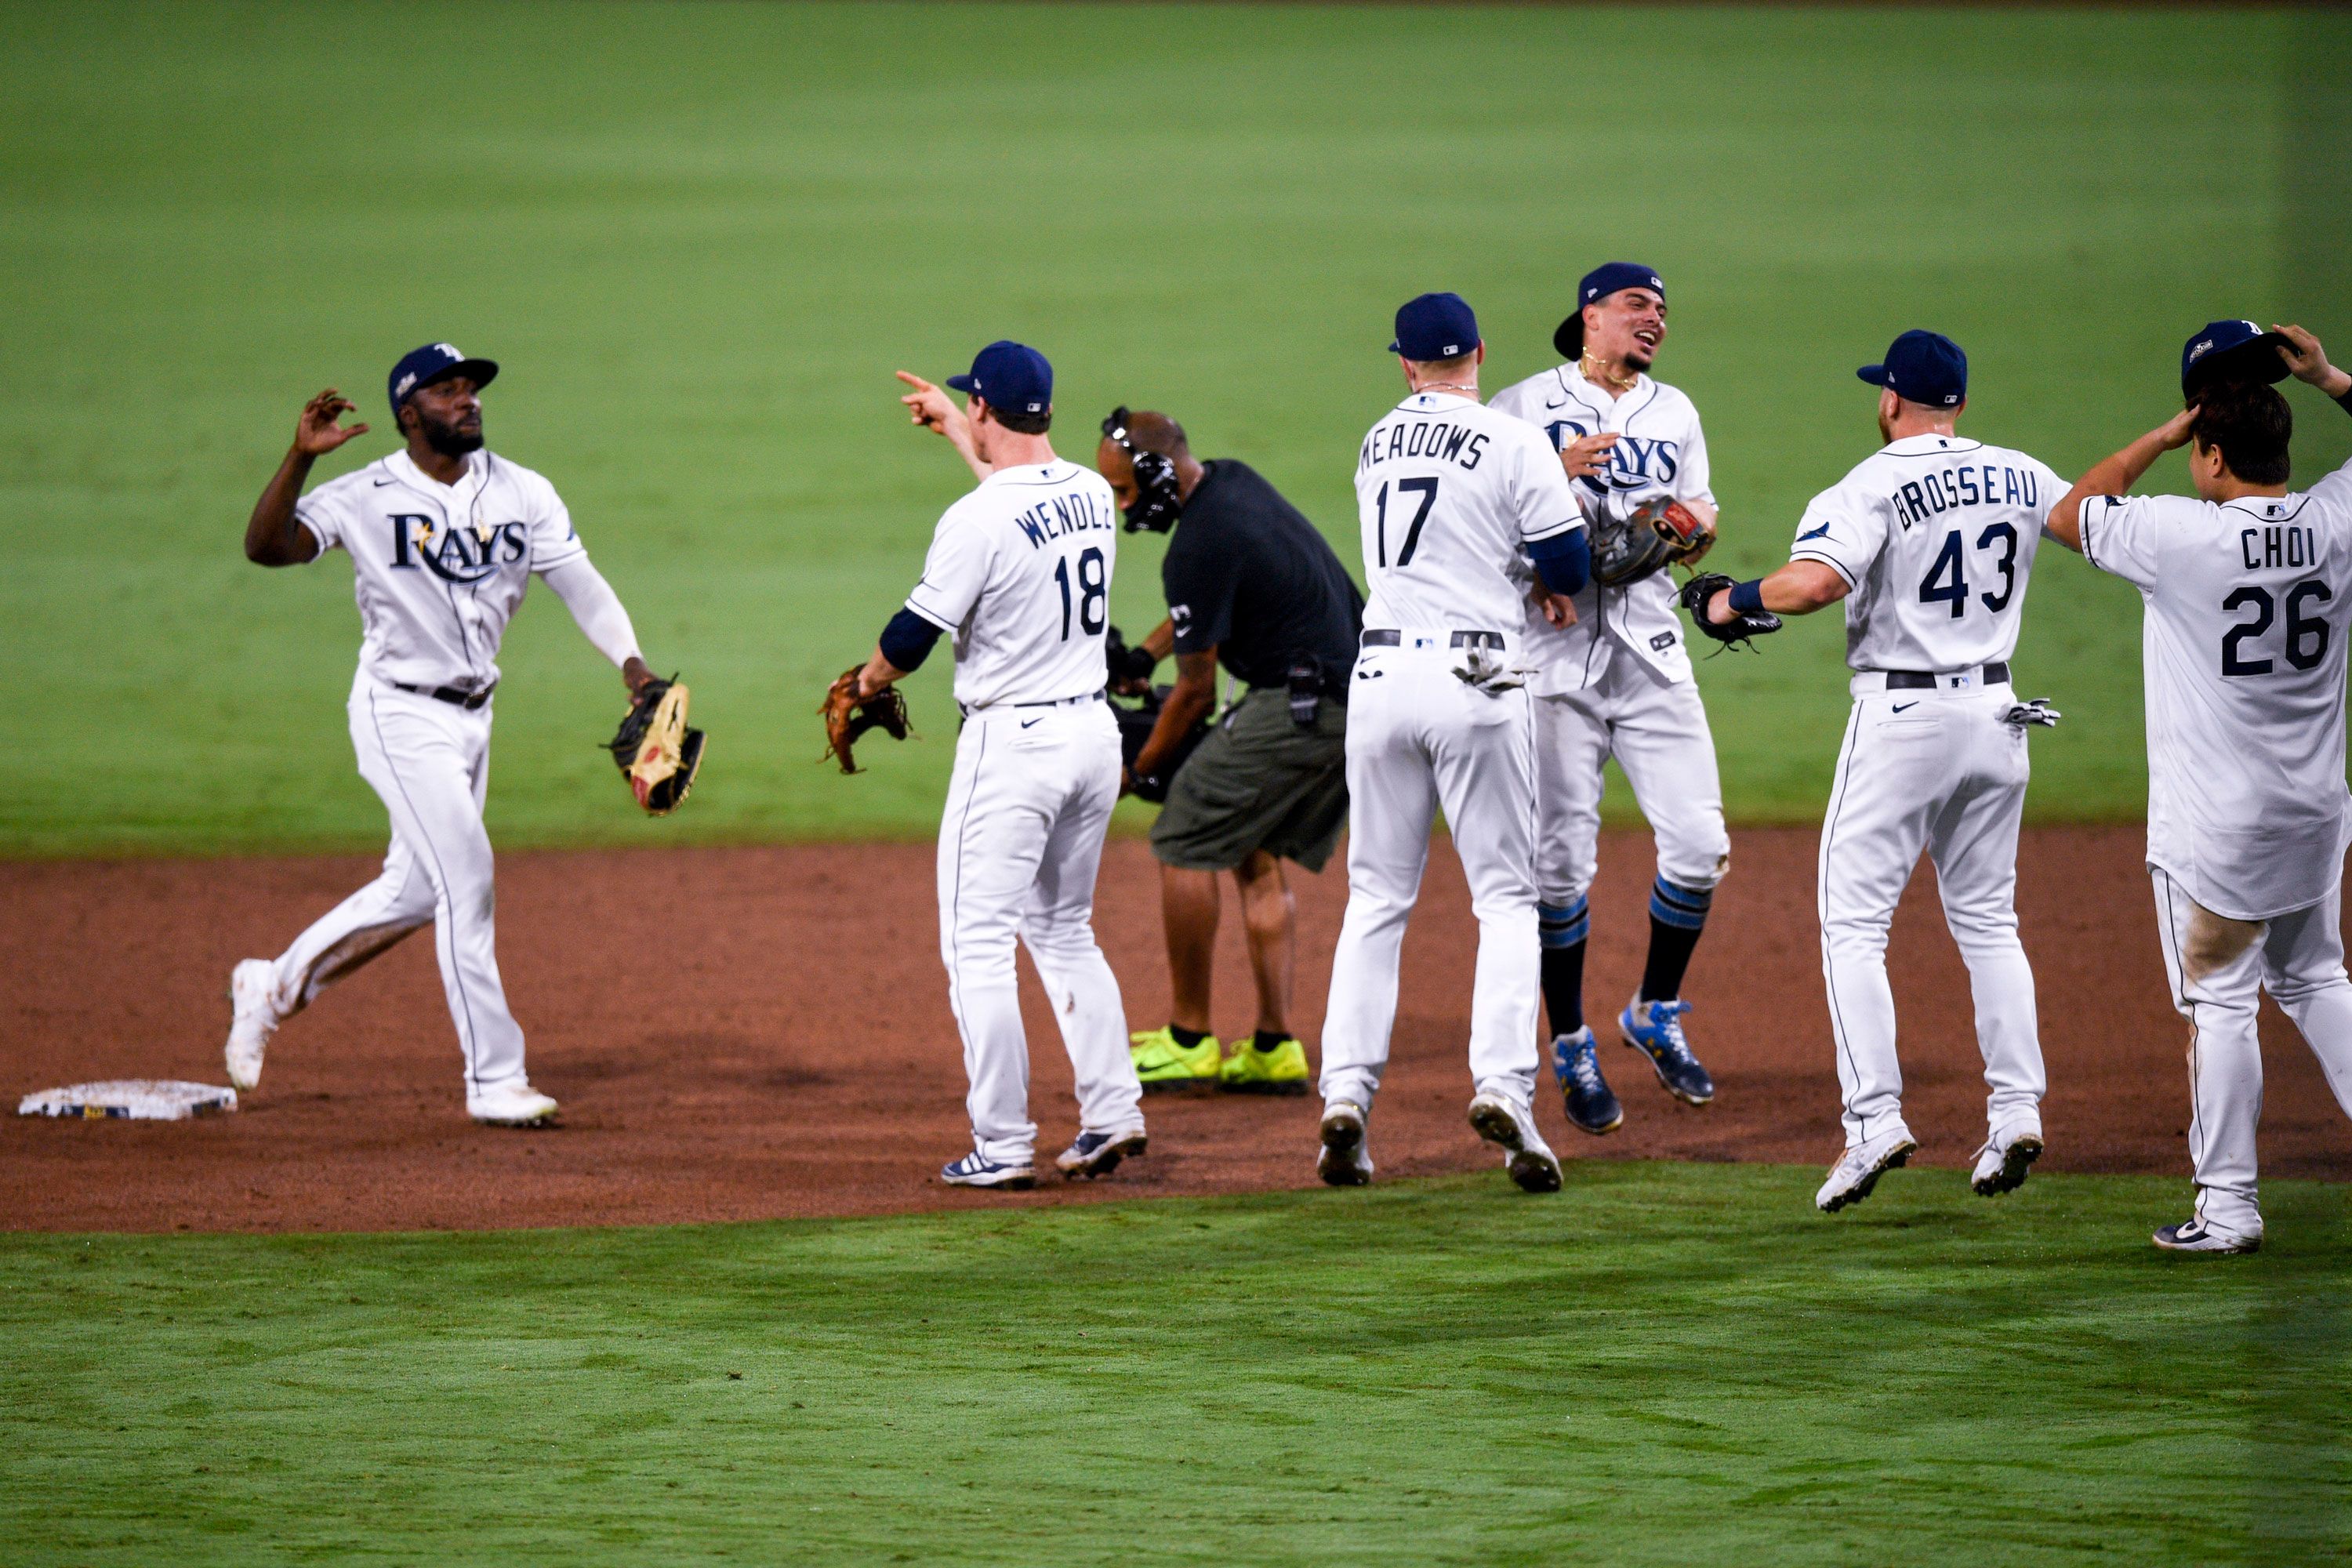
700,236
1670,1364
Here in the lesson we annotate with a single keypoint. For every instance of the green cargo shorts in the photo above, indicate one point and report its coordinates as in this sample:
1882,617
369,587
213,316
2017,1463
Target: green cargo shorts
1258,782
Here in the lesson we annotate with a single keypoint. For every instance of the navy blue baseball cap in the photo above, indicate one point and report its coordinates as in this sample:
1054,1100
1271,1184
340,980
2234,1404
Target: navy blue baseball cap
434,361
2232,351
1922,367
1435,326
1598,284
1006,374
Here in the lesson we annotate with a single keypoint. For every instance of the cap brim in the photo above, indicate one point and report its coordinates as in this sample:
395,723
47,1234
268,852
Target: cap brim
480,372
2255,360
961,383
1873,373
1568,336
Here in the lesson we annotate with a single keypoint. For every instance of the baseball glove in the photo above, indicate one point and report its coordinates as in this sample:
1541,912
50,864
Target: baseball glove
846,718
1739,628
1654,535
655,750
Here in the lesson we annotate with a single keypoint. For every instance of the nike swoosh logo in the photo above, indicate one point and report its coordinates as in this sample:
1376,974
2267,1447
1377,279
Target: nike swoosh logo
1899,707
381,483
1026,722
1821,532
1561,404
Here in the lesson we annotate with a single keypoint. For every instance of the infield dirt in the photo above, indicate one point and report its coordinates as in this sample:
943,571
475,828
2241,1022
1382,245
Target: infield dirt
753,1032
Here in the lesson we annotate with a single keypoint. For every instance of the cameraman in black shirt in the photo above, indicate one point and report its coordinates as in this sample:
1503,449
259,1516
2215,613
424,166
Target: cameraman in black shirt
1251,584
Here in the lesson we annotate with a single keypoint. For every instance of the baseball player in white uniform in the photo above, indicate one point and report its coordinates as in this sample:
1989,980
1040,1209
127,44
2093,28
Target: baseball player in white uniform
1019,574
444,537
2249,593
1457,503
1615,680
1930,542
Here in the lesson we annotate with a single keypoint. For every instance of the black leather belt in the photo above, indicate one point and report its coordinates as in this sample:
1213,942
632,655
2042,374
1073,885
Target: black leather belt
1064,701
468,701
1995,674
1459,639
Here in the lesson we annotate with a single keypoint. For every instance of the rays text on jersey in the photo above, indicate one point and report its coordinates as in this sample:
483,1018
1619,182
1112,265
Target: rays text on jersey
460,556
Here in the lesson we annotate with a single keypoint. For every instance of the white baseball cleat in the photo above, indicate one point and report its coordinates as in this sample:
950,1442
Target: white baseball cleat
2198,1236
253,1019
1529,1159
510,1104
1344,1162
2002,1162
1851,1178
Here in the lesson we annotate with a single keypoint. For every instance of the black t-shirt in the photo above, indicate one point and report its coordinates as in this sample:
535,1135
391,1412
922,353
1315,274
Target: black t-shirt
1247,573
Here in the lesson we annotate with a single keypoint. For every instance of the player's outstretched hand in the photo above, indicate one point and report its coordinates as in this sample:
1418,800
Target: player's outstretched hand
316,434
2308,361
1587,454
928,406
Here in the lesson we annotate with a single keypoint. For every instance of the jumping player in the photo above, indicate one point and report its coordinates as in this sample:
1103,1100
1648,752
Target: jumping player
1455,501
1614,679
1019,573
444,536
2249,595
1929,541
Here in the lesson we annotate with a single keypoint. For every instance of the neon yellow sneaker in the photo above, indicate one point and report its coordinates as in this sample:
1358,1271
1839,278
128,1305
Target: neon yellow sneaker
1166,1067
1282,1070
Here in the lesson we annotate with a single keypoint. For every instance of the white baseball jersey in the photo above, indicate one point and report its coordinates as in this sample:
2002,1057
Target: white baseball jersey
1019,571
1659,453
1450,493
2244,647
439,569
1935,535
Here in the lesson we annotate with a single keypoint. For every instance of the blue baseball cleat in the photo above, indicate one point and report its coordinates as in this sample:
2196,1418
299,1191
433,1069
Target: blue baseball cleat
977,1170
1655,1029
1098,1154
1591,1105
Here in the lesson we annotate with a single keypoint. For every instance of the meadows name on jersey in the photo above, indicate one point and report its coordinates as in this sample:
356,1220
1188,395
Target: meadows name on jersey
1936,536
1449,494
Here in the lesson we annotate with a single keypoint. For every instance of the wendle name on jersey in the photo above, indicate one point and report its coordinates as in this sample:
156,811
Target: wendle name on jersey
1060,516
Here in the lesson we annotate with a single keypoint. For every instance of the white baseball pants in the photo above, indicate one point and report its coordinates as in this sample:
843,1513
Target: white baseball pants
1938,770
1657,732
430,762
1418,738
2218,968
1020,844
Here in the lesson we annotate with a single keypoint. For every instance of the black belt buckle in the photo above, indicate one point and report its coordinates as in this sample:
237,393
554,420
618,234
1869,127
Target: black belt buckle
1306,692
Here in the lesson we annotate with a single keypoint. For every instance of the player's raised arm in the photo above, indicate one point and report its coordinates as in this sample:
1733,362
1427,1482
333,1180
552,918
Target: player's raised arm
932,409
2308,362
2114,474
272,536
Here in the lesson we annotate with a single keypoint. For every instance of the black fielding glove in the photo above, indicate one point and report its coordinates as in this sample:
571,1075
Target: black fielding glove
1737,627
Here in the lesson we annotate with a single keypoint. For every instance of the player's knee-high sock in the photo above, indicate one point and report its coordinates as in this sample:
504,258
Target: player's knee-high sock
1677,916
1562,929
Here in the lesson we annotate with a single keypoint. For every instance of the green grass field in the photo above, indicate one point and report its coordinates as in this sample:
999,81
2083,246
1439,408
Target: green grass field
700,237
1670,1364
